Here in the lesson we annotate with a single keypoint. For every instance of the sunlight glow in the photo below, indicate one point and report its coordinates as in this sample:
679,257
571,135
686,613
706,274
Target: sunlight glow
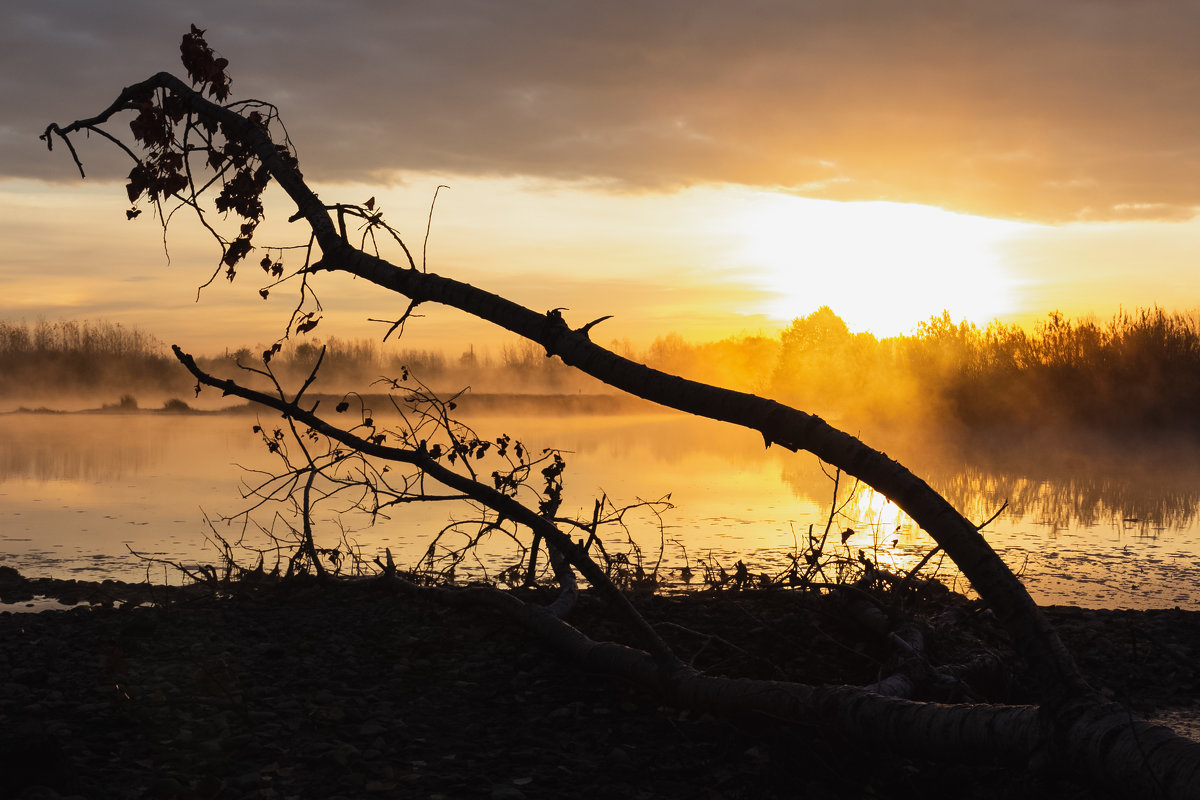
875,512
883,267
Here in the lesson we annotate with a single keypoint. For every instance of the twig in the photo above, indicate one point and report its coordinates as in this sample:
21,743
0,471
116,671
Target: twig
429,225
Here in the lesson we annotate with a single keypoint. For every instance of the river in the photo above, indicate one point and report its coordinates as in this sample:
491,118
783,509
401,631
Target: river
1086,523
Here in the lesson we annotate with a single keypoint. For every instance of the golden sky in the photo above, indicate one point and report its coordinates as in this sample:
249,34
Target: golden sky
705,168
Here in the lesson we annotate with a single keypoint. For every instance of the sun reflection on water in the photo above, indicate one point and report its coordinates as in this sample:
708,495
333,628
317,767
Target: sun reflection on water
81,486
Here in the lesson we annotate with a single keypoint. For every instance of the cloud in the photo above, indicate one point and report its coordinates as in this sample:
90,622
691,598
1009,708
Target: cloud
1023,109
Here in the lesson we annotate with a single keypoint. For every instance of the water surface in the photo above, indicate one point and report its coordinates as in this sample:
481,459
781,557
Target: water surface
1085,523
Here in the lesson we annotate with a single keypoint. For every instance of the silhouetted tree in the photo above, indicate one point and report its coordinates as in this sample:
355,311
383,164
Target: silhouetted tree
192,147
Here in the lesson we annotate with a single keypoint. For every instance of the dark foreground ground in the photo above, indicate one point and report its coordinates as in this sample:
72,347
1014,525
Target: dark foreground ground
358,692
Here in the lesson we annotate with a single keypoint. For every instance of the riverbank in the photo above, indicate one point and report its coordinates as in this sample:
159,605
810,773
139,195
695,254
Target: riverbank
354,691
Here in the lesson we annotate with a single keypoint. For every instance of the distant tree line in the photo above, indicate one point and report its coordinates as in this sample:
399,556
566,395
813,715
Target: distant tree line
516,368
72,356
43,359
1139,370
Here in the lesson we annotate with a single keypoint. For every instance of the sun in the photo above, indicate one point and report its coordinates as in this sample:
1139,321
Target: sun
881,266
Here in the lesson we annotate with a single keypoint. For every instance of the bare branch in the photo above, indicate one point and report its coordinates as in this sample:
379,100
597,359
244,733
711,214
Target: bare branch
429,225
584,330
505,505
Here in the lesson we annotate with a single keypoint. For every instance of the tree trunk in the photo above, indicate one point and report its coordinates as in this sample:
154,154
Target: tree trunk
1099,743
1096,740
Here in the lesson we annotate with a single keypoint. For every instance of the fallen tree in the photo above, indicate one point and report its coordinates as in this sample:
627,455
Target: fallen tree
193,146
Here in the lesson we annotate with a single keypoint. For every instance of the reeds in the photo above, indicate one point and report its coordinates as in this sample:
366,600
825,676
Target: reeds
67,356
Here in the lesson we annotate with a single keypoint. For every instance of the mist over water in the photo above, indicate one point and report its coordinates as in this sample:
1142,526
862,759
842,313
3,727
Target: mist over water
1087,522
991,418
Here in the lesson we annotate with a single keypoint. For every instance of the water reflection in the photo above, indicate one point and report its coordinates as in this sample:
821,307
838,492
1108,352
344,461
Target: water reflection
1145,490
1142,487
50,447
81,486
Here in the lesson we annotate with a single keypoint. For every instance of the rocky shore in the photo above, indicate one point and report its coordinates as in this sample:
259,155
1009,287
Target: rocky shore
355,691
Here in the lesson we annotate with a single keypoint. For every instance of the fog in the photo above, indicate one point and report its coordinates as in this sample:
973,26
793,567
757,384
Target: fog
1082,433
77,490
1138,373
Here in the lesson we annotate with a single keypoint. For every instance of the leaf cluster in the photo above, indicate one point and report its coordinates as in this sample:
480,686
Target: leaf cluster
173,130
203,66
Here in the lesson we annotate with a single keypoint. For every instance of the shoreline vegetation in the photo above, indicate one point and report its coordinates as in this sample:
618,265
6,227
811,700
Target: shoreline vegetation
1138,372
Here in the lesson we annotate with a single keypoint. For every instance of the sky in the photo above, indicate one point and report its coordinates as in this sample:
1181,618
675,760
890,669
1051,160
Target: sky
687,166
